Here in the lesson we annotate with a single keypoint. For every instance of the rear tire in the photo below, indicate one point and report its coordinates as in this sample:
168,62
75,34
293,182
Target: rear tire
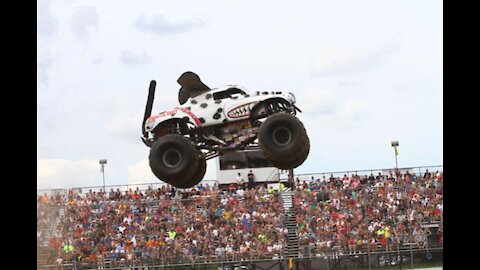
173,159
284,140
198,177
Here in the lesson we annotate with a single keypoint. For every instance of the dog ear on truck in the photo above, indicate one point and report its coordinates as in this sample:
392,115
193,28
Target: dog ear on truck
192,86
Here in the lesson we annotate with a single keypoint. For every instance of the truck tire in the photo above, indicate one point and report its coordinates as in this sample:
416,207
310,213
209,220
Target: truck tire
173,159
197,177
295,162
283,140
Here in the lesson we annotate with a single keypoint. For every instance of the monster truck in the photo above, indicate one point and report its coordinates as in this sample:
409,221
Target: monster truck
211,122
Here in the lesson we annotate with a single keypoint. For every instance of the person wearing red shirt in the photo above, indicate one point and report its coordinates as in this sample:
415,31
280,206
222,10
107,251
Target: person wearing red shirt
352,246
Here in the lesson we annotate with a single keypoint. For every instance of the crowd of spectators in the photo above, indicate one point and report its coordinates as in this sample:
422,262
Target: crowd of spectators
346,214
46,213
357,214
167,226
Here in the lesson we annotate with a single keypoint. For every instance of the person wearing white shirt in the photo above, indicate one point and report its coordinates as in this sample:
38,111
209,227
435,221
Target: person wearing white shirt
239,180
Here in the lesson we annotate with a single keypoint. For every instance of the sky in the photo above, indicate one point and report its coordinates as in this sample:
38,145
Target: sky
365,73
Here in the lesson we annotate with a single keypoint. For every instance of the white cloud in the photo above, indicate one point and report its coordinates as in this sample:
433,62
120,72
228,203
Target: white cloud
46,22
133,59
317,101
353,111
97,61
326,107
44,62
336,60
345,114
62,173
83,18
126,125
160,26
140,172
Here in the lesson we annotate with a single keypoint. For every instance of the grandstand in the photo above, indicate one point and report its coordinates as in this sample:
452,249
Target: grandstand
325,221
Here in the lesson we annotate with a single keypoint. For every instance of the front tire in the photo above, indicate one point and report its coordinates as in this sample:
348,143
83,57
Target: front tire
294,162
284,141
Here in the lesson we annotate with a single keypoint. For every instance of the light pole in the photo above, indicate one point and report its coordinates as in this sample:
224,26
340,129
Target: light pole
395,145
102,163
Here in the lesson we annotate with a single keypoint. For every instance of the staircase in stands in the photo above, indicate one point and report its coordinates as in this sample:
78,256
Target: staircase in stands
290,223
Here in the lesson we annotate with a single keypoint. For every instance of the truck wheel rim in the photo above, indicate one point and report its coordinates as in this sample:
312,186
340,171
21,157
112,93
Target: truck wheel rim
282,136
172,158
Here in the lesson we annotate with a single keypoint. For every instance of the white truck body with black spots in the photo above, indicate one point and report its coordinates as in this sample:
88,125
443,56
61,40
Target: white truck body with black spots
217,107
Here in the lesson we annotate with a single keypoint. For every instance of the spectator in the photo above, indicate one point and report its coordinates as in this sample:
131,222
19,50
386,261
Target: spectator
239,180
251,180
420,237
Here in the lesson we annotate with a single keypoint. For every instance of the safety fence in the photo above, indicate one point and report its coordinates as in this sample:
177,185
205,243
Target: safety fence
404,257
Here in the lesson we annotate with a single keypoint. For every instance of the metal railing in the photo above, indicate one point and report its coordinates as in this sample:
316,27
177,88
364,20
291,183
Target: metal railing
125,187
416,171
